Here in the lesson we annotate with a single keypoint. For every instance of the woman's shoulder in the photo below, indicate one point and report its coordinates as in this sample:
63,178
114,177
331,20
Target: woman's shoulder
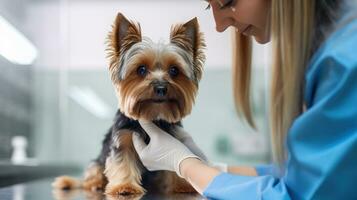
339,47
334,65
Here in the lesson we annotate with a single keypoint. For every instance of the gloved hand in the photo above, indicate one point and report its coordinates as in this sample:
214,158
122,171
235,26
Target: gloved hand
164,152
187,140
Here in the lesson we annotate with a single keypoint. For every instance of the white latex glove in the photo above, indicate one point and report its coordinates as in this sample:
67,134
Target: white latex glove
187,140
164,152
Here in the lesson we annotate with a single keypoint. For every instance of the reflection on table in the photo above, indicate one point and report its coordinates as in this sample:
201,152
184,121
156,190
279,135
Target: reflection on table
42,190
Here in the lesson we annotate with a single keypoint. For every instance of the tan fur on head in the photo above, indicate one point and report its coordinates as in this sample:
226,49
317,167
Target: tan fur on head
128,51
137,96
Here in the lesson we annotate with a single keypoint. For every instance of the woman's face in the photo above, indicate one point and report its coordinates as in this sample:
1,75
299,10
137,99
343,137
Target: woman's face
249,17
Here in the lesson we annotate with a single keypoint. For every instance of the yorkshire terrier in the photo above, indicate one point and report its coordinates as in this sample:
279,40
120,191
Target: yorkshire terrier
153,81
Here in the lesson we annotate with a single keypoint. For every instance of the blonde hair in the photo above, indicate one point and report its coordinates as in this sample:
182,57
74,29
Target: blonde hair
291,33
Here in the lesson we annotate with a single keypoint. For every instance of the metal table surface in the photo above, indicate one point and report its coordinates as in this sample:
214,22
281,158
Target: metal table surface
41,190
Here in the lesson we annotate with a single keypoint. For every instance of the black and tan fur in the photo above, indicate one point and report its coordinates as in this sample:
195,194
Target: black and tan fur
176,67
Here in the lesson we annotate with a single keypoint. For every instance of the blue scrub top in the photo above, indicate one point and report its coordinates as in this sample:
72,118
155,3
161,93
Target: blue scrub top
321,143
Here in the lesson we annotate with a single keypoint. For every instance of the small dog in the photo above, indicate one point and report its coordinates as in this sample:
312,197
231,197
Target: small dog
153,81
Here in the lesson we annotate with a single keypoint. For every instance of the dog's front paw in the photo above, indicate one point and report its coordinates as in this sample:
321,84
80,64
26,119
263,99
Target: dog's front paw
126,189
66,183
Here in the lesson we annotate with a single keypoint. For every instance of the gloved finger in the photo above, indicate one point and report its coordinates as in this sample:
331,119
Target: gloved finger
195,149
138,143
151,129
187,140
181,134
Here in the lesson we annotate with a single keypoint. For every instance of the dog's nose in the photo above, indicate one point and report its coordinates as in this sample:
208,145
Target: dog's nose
160,90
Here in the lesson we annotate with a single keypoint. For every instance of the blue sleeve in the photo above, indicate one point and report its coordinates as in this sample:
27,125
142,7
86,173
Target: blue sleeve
321,143
234,187
269,169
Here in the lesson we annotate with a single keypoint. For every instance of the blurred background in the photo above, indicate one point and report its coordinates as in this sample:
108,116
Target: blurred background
56,98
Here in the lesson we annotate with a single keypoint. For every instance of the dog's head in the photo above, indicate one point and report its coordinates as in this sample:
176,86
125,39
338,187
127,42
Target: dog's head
155,81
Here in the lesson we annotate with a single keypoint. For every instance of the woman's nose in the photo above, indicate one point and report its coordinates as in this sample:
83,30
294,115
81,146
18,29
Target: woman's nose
223,25
223,21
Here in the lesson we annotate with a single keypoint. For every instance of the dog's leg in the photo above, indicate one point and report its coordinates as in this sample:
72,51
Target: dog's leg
94,178
122,167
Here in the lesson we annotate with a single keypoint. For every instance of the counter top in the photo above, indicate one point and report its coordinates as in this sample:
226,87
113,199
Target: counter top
42,190
13,174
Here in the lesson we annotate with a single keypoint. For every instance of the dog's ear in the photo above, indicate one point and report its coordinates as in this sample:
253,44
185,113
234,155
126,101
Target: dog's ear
188,37
124,34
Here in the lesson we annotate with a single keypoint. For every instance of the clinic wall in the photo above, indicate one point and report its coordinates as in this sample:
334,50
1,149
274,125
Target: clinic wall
15,87
72,35
14,11
15,105
65,131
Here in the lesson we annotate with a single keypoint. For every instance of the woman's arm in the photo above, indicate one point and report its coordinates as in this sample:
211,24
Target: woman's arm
242,170
199,175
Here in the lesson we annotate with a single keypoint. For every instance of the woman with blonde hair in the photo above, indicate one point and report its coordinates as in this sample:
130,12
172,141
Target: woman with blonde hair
313,104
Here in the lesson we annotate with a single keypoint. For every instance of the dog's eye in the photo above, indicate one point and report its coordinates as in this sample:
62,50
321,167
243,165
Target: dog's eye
142,71
173,71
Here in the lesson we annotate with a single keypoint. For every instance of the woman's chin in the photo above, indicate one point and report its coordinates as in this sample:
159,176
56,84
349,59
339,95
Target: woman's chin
262,39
